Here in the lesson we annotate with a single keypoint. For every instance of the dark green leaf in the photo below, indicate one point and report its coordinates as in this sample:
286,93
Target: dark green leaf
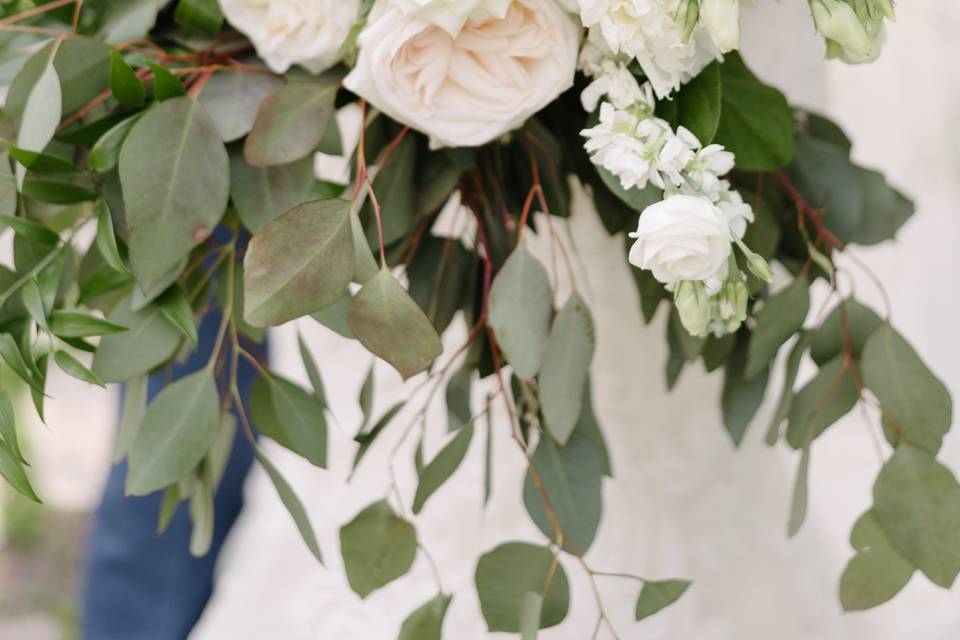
378,547
124,82
176,308
506,574
885,210
394,188
13,472
165,84
8,426
367,438
520,309
459,413
290,123
785,403
566,364
105,154
313,372
698,104
756,123
56,190
442,467
300,263
232,100
741,396
10,353
798,504
33,231
201,15
42,163
390,325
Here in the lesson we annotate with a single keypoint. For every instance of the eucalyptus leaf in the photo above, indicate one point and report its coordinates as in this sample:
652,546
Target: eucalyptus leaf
292,503
149,341
782,316
426,623
877,572
439,470
378,547
124,82
829,396
657,595
290,123
287,414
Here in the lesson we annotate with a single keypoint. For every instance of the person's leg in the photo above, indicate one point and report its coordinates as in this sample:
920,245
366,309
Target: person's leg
145,586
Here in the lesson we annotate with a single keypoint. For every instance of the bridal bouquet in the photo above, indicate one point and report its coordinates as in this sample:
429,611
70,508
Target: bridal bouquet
158,171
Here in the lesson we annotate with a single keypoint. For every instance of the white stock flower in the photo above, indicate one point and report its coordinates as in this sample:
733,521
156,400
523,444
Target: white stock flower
736,212
289,32
708,166
468,89
683,238
451,15
721,19
615,81
646,30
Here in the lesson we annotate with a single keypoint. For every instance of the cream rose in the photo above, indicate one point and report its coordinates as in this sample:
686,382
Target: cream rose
288,32
451,15
466,90
683,238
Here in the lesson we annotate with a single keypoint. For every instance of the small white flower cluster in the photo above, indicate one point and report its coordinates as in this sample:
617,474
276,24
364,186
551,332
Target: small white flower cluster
686,240
648,31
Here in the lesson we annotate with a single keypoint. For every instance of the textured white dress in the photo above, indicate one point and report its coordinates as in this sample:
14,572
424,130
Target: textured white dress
683,503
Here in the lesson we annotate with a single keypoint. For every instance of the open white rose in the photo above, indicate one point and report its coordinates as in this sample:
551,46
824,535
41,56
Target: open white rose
451,15
683,238
289,32
468,89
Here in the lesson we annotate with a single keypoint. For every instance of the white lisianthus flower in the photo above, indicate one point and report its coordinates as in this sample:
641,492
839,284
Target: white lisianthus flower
736,212
289,32
451,15
708,166
468,89
721,18
646,30
683,238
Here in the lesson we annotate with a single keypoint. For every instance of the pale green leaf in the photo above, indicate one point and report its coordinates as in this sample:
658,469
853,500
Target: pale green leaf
149,341
378,547
442,467
292,503
657,595
878,571
520,309
426,623
782,316
290,123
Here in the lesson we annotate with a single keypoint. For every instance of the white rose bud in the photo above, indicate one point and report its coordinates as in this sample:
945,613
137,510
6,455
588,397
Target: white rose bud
468,89
837,21
722,21
683,238
289,32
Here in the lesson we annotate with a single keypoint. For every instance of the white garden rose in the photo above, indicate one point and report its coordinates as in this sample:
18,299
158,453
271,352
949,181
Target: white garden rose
451,15
468,89
288,32
683,238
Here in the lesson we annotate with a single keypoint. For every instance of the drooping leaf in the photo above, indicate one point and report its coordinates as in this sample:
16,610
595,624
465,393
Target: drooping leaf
41,114
378,547
394,189
73,367
849,320
367,438
885,210
792,369
457,394
781,316
741,396
166,86
287,414
201,516
566,364
150,340
175,187
131,418
313,372
12,470
292,503
658,595
520,309
176,308
105,154
124,82
572,478
829,396
263,194
444,465
426,623
756,122
8,426
798,504
42,163
178,429
107,241
299,263
915,403
390,325
877,572
506,574
76,324
917,503
290,123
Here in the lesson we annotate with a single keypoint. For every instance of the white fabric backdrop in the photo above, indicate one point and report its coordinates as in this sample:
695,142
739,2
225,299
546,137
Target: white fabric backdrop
683,504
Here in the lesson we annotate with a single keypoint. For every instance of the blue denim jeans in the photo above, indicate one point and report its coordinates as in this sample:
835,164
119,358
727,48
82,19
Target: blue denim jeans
144,586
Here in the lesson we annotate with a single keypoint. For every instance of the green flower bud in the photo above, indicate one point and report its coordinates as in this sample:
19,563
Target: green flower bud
688,15
759,267
837,21
693,305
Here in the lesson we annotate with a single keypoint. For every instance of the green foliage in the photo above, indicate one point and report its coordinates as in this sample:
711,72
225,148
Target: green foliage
878,571
442,467
292,503
287,414
426,623
378,547
658,595
506,574
290,123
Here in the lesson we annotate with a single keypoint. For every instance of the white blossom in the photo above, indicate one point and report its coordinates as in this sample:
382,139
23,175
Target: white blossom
646,30
451,15
614,80
721,19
